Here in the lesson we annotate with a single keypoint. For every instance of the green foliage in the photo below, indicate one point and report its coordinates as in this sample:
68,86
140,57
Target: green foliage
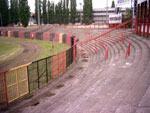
14,13
7,48
51,13
67,12
44,11
87,12
58,13
45,45
127,16
73,11
129,13
4,18
36,11
24,12
113,4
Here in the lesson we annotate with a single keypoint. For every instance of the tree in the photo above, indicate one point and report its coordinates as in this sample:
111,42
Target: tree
16,14
64,11
58,12
4,18
45,11
73,11
87,12
53,13
12,11
36,11
127,16
113,4
67,11
24,12
49,13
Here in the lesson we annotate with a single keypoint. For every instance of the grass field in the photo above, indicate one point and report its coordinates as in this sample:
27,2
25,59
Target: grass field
47,49
7,48
46,46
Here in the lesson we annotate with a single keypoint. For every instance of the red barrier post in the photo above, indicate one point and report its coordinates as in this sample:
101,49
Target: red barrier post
101,42
53,44
148,28
3,93
140,26
144,27
95,47
122,38
6,88
106,54
136,26
128,50
58,64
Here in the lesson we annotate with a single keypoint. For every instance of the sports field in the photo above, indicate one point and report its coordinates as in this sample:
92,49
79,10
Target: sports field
15,51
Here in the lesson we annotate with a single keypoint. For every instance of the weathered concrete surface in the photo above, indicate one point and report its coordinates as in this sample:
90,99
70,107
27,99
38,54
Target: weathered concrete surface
115,85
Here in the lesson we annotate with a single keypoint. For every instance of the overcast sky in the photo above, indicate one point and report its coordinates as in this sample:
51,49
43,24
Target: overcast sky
96,3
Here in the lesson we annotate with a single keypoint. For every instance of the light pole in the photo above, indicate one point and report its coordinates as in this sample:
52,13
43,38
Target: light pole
80,13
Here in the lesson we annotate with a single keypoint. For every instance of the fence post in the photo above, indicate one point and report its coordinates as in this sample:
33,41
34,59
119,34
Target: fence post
17,82
52,68
38,75
6,88
46,71
28,79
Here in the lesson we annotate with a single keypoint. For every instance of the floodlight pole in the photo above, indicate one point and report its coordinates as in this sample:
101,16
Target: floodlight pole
38,12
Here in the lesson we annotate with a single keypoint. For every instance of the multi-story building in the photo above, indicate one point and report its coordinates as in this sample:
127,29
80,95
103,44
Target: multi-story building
101,15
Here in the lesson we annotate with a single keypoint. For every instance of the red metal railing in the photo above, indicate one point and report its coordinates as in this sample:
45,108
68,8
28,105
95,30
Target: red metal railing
3,90
107,32
142,26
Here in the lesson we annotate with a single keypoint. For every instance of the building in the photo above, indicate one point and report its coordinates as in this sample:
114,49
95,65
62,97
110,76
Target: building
101,15
32,20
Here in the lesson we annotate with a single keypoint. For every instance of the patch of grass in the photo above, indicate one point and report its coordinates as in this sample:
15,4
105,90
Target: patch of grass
46,46
7,48
47,49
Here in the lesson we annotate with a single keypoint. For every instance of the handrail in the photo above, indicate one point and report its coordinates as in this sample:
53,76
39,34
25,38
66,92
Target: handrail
87,40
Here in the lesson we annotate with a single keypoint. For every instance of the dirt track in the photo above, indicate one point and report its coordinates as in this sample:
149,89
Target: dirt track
29,52
95,85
